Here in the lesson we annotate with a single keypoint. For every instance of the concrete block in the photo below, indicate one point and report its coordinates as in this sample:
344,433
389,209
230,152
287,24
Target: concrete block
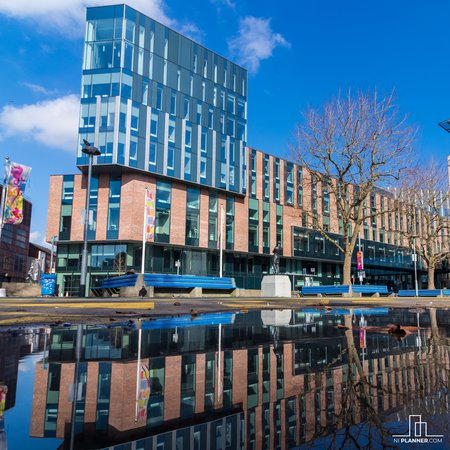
196,292
276,286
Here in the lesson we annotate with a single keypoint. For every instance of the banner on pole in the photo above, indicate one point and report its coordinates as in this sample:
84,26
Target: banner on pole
149,215
359,261
16,181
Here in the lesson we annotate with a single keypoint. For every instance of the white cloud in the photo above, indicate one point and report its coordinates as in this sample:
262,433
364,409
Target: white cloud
255,42
51,122
67,17
38,89
228,3
36,237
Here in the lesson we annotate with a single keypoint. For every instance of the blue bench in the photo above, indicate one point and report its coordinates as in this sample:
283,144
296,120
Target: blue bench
445,292
369,289
164,281
326,290
188,281
421,292
112,285
345,289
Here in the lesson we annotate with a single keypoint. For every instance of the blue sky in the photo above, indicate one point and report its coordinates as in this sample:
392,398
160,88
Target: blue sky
298,53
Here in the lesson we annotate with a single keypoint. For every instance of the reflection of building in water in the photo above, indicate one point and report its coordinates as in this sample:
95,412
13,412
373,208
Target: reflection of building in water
14,346
244,396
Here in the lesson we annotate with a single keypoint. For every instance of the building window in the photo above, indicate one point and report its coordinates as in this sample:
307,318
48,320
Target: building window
253,173
112,230
276,179
253,225
230,223
266,227
300,186
155,415
163,202
192,216
186,107
289,185
280,224
103,396
188,386
66,208
171,133
173,103
159,97
212,224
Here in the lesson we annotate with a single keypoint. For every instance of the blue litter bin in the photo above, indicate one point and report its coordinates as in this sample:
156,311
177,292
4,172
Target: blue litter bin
48,284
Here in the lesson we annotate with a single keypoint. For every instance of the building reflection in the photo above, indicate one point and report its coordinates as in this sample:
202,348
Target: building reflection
272,379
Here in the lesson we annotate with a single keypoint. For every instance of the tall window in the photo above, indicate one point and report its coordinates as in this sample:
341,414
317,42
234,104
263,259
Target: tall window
253,173
266,227
163,200
212,223
112,230
66,208
230,223
192,216
300,186
253,225
289,193
276,180
280,224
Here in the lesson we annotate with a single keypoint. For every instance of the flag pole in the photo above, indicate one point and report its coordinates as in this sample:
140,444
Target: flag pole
144,231
5,188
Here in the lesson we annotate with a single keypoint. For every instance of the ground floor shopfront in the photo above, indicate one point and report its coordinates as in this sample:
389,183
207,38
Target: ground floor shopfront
248,269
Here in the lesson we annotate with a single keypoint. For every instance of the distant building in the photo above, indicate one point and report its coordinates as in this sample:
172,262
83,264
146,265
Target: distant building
14,244
38,261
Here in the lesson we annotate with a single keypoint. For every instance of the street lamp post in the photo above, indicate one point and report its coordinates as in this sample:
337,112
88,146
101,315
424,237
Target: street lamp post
415,267
91,151
53,241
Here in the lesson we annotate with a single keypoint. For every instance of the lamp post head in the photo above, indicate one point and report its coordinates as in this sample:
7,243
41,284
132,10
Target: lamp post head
445,124
89,149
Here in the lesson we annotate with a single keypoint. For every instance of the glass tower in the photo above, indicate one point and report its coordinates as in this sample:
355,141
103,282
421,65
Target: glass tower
155,101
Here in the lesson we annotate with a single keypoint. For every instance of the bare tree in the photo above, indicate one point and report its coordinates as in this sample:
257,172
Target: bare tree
424,200
353,145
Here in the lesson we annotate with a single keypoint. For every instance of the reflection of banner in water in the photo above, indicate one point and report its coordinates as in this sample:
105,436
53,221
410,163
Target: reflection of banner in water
144,391
16,180
3,391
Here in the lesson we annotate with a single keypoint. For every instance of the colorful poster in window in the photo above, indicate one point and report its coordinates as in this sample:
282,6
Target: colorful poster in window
149,215
16,179
144,391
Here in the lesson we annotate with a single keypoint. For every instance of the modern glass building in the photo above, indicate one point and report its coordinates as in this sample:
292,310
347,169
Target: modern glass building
170,115
156,101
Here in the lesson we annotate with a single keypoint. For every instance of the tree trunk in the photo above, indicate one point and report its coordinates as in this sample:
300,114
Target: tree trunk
431,269
347,269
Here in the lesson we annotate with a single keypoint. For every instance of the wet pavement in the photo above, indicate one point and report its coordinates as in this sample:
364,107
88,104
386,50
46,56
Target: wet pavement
317,377
52,310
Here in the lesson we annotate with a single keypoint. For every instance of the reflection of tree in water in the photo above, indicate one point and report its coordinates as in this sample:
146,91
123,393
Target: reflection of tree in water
120,262
406,383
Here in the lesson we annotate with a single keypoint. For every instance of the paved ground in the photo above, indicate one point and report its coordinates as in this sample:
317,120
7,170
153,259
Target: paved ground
21,311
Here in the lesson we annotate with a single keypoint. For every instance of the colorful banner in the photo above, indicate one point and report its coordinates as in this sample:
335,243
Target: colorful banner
144,391
3,392
149,215
16,181
359,261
